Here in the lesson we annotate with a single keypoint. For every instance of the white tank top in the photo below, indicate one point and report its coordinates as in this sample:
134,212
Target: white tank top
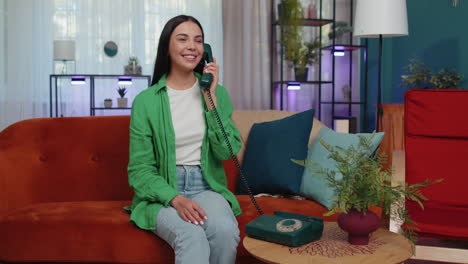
189,123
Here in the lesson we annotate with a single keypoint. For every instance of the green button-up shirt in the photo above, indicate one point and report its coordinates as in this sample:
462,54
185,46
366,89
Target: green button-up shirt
152,161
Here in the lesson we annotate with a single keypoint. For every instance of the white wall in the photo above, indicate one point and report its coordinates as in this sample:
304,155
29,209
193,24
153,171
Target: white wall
2,57
32,25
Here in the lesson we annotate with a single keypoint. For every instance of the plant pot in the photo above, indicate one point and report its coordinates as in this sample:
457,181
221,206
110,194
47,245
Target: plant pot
107,104
132,69
122,102
358,225
301,77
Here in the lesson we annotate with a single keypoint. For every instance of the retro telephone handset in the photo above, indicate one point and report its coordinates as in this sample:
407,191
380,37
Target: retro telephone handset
282,227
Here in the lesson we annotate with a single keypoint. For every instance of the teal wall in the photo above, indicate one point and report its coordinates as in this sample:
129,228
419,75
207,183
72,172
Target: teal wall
438,36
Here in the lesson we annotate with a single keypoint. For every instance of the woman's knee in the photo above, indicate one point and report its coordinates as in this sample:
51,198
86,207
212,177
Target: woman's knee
223,230
189,236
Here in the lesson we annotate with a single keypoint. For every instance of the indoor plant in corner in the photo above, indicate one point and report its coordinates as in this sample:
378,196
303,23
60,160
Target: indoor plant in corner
420,76
298,52
122,101
308,54
360,181
340,28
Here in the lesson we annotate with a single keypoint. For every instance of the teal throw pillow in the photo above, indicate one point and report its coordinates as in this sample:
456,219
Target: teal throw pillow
270,148
314,186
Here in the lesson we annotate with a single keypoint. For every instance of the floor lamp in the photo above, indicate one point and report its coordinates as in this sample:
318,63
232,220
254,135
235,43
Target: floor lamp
379,19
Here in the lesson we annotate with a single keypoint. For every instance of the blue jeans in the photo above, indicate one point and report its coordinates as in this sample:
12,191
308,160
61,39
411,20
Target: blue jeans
214,242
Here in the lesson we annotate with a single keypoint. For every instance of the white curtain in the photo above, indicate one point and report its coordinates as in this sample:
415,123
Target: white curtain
2,60
247,53
29,27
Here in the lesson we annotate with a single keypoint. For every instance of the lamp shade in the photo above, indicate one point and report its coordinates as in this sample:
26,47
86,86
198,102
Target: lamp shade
380,17
64,50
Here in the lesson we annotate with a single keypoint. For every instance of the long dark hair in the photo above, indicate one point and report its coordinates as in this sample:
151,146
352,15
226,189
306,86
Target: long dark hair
163,61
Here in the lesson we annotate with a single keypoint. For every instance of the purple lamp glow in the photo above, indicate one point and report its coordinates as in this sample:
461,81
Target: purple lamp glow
294,86
125,81
78,80
339,53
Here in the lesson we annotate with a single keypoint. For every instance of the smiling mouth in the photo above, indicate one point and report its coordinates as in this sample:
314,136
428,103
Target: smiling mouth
191,57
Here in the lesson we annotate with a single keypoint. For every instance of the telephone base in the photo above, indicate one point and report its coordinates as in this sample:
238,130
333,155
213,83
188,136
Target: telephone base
286,228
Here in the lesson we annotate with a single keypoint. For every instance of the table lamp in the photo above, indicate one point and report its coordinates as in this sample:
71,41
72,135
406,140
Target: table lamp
64,51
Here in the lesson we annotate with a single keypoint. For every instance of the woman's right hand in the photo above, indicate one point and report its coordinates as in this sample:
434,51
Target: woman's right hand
188,210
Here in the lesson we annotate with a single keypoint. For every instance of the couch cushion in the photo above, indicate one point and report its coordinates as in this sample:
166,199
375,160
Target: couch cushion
244,120
100,231
97,231
270,148
314,185
447,221
436,146
436,113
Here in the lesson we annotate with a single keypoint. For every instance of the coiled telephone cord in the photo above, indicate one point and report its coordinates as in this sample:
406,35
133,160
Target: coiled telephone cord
234,157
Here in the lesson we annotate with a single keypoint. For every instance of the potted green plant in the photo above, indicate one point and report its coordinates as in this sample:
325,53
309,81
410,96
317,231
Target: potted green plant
122,101
132,68
308,54
419,75
364,183
107,103
298,52
341,27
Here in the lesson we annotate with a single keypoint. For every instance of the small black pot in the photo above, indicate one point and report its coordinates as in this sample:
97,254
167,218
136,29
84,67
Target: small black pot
303,76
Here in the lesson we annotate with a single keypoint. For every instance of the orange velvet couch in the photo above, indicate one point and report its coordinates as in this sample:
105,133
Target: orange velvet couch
63,183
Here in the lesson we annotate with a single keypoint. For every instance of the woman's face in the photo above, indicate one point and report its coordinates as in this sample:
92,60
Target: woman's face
186,46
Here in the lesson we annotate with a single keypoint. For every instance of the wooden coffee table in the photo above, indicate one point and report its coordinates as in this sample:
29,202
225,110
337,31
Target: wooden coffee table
333,248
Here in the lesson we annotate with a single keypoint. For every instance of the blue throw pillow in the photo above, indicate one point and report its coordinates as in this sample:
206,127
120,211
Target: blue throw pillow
315,186
270,148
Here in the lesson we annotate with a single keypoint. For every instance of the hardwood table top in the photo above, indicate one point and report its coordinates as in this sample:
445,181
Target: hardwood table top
384,247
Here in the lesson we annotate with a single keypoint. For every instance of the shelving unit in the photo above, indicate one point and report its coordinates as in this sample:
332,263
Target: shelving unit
330,106
90,80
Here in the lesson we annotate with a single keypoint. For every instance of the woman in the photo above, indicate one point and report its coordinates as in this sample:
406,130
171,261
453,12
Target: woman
176,149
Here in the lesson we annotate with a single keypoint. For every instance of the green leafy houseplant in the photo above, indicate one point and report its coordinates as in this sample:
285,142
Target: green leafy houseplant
297,51
419,75
341,27
306,55
122,91
366,183
290,20
122,101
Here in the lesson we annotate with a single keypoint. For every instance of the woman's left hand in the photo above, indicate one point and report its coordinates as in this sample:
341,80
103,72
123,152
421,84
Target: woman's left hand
212,68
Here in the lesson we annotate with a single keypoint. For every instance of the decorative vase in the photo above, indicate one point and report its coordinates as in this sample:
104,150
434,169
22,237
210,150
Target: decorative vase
107,103
122,102
358,225
312,11
132,69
